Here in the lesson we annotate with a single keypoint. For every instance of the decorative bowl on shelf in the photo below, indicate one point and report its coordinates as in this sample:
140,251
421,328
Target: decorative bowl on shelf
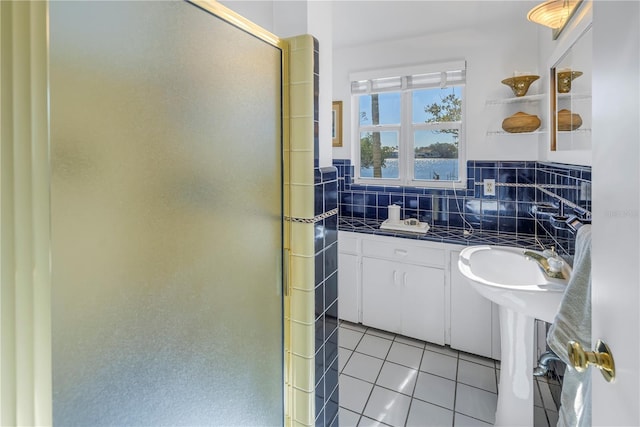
565,78
520,84
521,122
568,121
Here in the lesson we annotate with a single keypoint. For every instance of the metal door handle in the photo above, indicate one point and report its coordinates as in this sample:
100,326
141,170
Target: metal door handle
601,358
400,252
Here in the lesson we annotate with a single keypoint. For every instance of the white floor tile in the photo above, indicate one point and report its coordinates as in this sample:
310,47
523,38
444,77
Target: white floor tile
354,393
539,418
374,346
423,414
439,364
381,334
537,400
343,356
478,359
348,338
363,367
388,407
348,418
409,341
405,354
554,390
476,403
553,418
398,378
437,390
476,375
547,398
464,421
442,349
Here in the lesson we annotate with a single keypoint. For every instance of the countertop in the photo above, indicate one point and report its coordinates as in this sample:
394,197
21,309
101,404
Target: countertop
451,235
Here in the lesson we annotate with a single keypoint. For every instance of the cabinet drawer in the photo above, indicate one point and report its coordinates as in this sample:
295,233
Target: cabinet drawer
347,243
403,252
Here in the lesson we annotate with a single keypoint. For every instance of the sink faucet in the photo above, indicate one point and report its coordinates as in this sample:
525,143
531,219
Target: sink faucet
543,263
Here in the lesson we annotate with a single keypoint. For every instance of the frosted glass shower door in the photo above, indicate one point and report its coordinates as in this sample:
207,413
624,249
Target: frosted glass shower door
166,218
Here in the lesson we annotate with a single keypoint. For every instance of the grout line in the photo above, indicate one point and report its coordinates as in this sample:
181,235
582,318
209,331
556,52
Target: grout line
415,385
455,390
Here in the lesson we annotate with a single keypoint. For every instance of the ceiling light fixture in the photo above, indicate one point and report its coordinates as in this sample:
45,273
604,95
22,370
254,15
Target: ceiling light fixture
553,13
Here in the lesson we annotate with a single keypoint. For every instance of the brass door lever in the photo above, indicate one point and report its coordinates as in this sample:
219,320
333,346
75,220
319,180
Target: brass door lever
601,358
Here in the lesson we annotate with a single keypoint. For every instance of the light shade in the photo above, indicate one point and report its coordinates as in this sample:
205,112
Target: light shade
553,13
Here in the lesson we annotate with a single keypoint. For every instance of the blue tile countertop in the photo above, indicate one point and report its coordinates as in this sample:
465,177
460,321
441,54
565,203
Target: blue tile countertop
452,235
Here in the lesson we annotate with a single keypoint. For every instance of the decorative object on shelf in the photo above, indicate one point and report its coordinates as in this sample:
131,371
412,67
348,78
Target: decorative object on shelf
521,122
568,121
520,84
565,78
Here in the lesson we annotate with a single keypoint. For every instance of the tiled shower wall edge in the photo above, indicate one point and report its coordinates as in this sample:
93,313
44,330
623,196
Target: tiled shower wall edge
521,188
311,318
299,190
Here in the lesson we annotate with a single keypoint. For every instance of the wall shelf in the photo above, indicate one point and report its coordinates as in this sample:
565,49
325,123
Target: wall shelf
503,132
579,130
515,100
574,96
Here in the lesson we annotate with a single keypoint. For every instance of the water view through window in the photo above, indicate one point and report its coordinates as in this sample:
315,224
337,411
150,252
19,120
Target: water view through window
425,169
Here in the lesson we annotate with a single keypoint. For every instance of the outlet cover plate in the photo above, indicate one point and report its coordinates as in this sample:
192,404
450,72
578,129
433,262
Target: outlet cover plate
489,187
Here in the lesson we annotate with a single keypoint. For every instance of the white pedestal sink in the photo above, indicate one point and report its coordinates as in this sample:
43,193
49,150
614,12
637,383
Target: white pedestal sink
524,292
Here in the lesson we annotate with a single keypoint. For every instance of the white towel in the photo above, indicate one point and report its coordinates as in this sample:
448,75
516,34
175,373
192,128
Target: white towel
573,323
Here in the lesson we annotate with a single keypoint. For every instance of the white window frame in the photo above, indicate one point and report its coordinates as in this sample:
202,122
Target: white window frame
406,128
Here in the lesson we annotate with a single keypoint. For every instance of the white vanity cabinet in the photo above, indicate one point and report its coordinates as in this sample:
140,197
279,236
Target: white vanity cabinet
475,325
398,285
349,288
404,298
414,288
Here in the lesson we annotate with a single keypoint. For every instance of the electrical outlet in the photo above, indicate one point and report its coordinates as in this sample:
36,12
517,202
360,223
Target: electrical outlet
489,187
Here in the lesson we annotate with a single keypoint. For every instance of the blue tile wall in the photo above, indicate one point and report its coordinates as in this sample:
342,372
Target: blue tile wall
521,186
326,295
326,275
563,187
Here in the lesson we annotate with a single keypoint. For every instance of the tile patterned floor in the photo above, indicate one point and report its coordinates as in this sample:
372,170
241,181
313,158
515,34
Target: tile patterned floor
391,380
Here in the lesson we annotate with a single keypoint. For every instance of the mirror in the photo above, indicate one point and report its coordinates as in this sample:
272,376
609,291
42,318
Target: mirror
570,96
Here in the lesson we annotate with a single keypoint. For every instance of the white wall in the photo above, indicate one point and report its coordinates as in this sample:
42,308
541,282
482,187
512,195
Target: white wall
492,54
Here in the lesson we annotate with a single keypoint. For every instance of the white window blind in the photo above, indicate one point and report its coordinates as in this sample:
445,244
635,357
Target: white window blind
416,77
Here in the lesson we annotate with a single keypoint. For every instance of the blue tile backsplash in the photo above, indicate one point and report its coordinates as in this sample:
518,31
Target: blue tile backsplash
527,193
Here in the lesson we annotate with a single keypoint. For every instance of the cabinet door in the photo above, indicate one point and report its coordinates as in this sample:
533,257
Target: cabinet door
471,315
422,302
348,294
381,307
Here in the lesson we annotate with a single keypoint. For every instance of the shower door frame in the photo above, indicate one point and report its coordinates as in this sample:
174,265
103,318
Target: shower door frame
26,391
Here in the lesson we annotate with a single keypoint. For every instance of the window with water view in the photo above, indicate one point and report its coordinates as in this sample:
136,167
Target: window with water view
410,136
